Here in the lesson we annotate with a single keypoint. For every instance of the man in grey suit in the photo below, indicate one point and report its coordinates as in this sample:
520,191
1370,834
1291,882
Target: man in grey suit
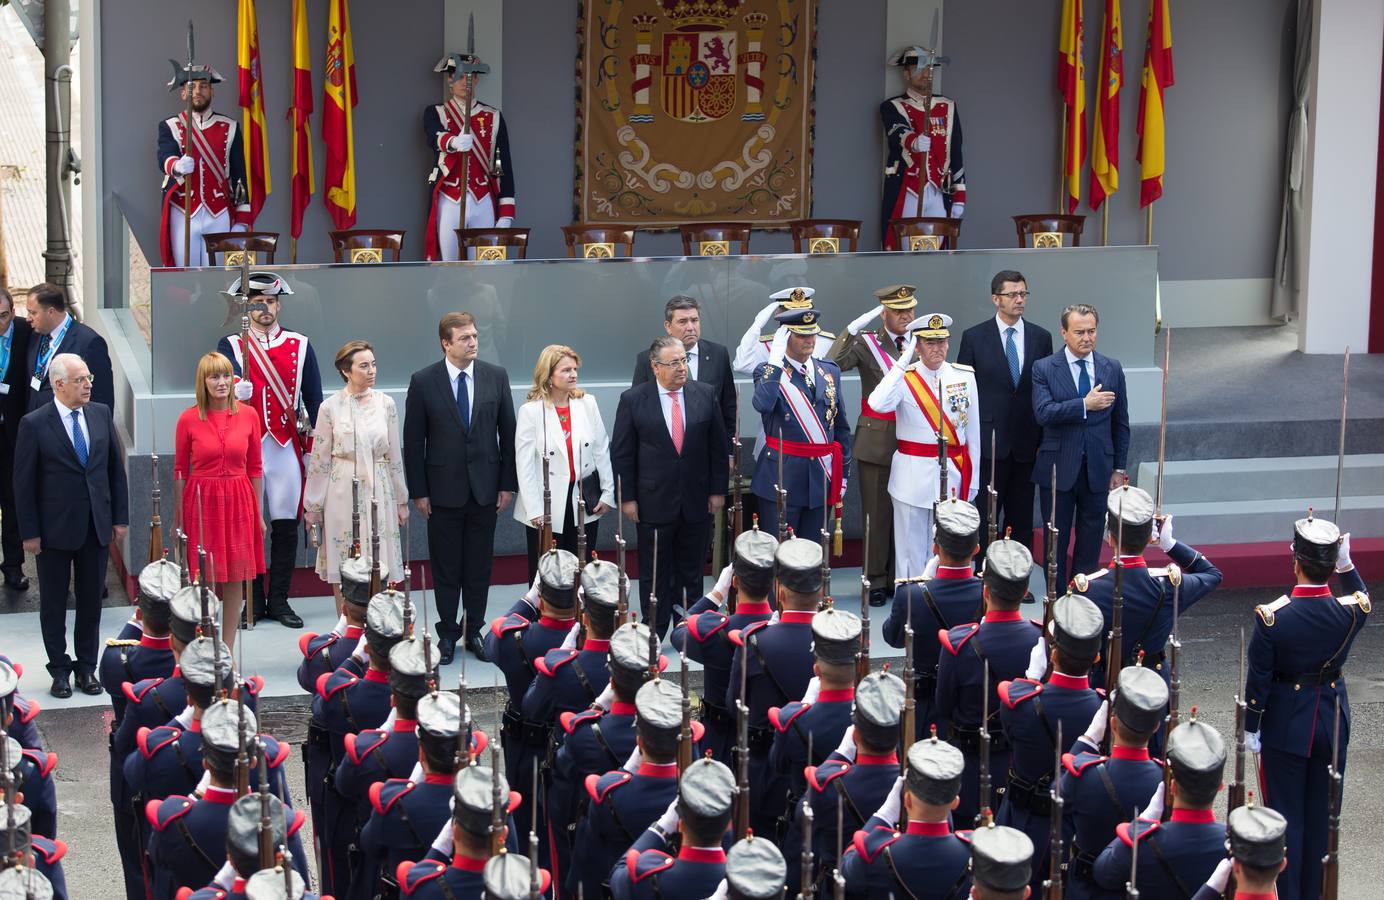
459,462
707,361
69,479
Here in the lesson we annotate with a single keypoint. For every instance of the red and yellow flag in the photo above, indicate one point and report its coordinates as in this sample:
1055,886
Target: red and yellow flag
1157,76
1071,83
1105,131
298,113
339,97
255,138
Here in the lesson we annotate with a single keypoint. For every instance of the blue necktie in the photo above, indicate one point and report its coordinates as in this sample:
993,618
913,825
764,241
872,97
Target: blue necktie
1011,353
79,439
1083,384
464,401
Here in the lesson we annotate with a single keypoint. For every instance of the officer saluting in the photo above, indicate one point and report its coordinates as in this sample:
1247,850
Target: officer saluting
1294,687
753,349
1256,841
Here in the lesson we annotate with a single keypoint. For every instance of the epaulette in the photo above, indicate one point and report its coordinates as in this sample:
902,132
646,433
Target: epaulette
642,865
598,786
300,819
18,667
161,812
738,635
46,762
554,660
51,850
152,740
276,751
698,731
782,716
207,893
411,874
26,709
1145,829
821,776
963,367
384,794
703,625
136,692
1082,582
1359,598
570,720
357,745
254,685
964,836
328,683
1267,612
1172,572
311,644
1076,763
117,642
479,741
1012,693
503,625
956,638
869,843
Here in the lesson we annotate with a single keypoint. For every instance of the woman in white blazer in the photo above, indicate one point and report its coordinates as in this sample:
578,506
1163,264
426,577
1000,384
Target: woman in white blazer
560,423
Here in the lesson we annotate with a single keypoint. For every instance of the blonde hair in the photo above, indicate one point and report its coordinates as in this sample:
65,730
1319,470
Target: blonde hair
548,360
211,364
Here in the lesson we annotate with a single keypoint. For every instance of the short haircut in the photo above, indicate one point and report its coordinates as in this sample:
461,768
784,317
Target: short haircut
452,321
1079,309
1138,738
664,340
680,302
61,365
439,752
1317,573
1007,594
1004,275
601,619
1073,665
49,295
404,705
210,364
346,355
660,744
957,546
1132,538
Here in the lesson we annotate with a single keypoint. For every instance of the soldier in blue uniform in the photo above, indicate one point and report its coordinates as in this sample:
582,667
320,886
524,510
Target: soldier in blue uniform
474,791
799,400
569,679
325,653
926,859
941,600
777,658
31,772
701,813
21,848
276,884
1099,792
755,870
510,876
1002,642
1033,709
1296,655
1177,855
143,648
705,632
347,704
1001,863
859,773
243,831
18,713
1256,842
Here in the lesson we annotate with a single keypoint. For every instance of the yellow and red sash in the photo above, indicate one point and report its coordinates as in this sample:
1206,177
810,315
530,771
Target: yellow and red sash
957,452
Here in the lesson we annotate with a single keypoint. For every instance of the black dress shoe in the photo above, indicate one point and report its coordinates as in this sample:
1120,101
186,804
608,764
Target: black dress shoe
878,597
446,649
62,687
477,648
16,581
287,617
87,684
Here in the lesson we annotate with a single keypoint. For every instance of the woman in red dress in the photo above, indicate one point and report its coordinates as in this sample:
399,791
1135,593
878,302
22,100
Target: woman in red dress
218,482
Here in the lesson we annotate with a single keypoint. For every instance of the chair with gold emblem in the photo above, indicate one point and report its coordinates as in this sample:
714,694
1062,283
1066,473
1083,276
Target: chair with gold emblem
255,247
825,235
1049,230
493,244
367,245
715,239
925,233
598,241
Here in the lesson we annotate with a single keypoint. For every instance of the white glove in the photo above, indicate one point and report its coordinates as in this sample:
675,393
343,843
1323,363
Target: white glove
1038,661
360,654
416,776
606,698
461,143
958,210
184,718
1165,534
225,876
779,347
570,642
203,784
184,165
1095,732
910,343
1252,742
634,762
721,590
1343,563
340,627
389,720
244,390
774,617
443,842
721,892
814,687
930,567
531,596
1154,811
889,809
504,222
668,822
1221,877
861,321
847,746
762,317
919,143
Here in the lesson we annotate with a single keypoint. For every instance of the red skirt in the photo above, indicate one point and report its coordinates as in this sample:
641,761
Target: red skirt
234,538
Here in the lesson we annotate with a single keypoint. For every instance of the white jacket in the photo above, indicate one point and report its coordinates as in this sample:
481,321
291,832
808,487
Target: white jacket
915,480
590,444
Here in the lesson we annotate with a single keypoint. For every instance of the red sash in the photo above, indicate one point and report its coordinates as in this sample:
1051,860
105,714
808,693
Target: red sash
932,411
815,451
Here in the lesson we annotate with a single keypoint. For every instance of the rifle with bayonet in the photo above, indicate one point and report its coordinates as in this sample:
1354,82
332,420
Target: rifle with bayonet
184,574
622,611
1174,682
12,854
1341,450
190,124
355,516
1052,887
992,498
908,722
984,817
736,516
1331,862
156,551
826,543
942,474
1114,651
807,886
535,886
205,624
375,547
781,495
685,732
266,829
653,613
862,657
742,755
242,755
545,531
1131,886
838,881
1235,795
1052,534
498,806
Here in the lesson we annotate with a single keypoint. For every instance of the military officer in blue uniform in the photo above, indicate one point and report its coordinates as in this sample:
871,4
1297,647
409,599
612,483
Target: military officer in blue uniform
349,704
705,632
325,653
940,600
143,648
1002,642
755,870
1294,682
473,795
32,775
244,827
799,400
569,679
1035,709
927,859
1256,842
777,658
21,848
1093,783
1001,862
1177,855
701,813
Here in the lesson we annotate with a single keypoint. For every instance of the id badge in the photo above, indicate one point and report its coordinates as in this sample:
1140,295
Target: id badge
35,384
4,389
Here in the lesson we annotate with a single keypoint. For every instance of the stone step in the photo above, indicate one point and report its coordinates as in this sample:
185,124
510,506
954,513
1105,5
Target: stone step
1291,477
1255,521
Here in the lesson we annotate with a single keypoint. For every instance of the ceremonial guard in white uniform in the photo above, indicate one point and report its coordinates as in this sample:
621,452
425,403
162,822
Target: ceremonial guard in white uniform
924,174
928,398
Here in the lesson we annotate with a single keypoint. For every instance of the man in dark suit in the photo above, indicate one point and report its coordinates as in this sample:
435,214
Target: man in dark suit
707,361
1079,400
669,451
69,482
14,403
58,332
459,462
1002,351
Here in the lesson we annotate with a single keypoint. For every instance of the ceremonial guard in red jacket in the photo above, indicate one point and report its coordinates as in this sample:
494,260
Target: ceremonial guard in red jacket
924,175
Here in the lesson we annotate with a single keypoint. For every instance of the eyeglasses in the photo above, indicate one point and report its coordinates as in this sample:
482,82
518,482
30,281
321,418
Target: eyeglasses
83,379
679,363
1013,295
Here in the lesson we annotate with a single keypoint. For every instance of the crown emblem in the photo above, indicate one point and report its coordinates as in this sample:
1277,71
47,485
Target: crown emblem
715,13
934,322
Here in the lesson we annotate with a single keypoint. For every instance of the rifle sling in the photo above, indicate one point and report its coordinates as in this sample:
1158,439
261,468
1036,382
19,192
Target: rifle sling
1167,868
764,667
188,839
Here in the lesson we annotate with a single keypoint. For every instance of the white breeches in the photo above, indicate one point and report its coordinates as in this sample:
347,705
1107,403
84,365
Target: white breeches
912,538
283,479
203,222
478,215
931,204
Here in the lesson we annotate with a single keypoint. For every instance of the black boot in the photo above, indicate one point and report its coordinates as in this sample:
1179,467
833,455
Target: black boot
283,556
257,597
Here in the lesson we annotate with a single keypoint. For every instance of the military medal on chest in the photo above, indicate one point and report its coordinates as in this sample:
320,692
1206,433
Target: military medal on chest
958,402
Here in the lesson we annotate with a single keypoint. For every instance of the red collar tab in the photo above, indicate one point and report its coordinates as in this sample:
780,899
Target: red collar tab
658,770
195,726
957,573
1131,753
796,617
238,886
597,645
224,796
929,829
836,695
375,675
621,708
1004,615
1194,816
1075,682
468,864
869,759
353,632
1312,590
156,643
177,671
753,608
409,725
1134,562
1255,895
556,624
437,778
703,855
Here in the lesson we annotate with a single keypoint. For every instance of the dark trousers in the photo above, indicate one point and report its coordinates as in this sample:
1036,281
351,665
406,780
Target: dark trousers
1013,506
1085,508
461,546
13,561
566,540
85,569
879,506
803,521
1299,788
681,559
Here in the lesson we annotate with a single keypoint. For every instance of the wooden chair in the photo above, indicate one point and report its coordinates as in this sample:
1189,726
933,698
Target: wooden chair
235,245
714,238
493,244
367,245
925,233
597,241
1046,230
825,235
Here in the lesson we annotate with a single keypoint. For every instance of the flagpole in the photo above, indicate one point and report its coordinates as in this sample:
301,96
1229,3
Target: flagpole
1148,226
1062,164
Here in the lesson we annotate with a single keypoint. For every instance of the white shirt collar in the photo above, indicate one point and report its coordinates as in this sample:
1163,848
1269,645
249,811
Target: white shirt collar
1003,325
1072,357
65,411
665,392
692,351
453,371
893,338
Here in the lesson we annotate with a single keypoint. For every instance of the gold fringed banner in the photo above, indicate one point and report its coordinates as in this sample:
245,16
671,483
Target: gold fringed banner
695,110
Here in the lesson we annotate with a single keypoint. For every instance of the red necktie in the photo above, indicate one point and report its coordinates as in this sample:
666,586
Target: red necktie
677,421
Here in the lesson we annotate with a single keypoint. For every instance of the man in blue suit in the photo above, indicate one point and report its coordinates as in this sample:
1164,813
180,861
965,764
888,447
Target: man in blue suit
56,331
1079,399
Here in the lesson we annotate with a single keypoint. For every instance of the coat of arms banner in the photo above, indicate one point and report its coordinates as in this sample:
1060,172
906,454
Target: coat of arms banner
695,110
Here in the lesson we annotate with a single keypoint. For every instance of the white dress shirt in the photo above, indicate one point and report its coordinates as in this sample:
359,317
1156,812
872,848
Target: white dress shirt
65,413
1018,337
453,373
694,357
665,400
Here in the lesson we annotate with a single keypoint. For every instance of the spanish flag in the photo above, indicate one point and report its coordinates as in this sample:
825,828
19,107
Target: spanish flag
1071,82
339,97
1157,76
299,112
1105,131
255,138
